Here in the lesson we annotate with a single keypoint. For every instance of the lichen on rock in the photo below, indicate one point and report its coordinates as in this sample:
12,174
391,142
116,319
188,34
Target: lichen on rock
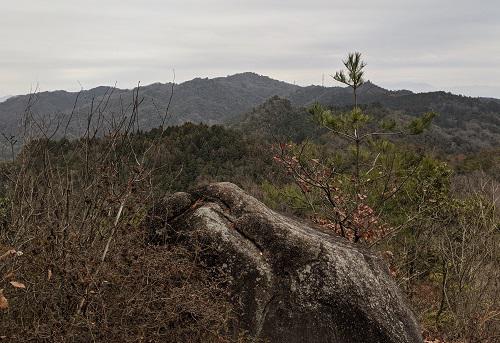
290,282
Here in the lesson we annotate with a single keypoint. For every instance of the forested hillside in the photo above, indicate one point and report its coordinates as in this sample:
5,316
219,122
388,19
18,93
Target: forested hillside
466,124
209,101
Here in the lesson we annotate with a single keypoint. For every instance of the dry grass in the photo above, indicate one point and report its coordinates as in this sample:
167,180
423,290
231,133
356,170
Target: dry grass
141,294
87,270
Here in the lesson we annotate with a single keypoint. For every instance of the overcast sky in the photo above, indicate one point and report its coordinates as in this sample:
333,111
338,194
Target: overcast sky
419,45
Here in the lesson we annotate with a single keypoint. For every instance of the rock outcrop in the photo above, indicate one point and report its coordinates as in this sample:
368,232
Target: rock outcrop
291,282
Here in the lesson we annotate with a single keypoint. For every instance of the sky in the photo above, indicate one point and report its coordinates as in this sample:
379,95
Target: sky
423,45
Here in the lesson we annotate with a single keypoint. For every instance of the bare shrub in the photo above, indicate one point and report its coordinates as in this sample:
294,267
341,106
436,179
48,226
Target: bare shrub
454,277
77,267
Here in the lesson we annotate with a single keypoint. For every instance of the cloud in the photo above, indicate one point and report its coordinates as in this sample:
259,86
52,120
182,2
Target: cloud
60,42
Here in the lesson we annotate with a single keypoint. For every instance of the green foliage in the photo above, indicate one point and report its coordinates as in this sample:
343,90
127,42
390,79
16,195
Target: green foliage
343,122
184,157
354,66
388,124
418,125
276,119
487,161
287,197
358,191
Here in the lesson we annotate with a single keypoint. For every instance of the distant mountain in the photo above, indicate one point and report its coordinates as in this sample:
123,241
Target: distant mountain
4,97
226,99
468,123
340,96
209,101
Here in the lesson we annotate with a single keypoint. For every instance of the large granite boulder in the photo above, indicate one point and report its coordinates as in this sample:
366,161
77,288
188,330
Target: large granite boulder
290,282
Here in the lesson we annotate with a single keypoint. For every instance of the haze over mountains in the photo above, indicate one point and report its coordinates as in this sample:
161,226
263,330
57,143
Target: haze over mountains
4,97
475,121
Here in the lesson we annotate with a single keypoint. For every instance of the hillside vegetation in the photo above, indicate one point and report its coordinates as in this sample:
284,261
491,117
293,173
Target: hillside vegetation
467,124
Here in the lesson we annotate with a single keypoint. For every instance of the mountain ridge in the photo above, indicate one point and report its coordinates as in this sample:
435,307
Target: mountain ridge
223,100
238,76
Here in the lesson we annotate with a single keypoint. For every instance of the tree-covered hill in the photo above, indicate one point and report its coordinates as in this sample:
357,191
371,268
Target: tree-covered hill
277,119
206,100
468,124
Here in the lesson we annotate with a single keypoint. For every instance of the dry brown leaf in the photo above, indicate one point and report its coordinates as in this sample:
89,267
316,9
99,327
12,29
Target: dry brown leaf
4,303
17,284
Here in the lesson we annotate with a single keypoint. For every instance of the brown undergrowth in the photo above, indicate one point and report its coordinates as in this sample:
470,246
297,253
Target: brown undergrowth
77,266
